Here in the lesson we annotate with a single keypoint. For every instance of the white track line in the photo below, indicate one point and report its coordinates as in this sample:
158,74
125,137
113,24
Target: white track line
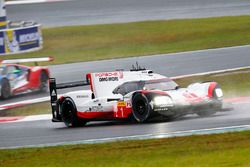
210,72
25,102
36,118
20,2
204,50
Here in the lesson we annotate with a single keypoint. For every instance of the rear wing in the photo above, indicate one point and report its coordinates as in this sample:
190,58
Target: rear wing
35,60
53,87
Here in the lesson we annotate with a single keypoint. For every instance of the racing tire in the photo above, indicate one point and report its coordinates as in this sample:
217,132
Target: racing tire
216,106
141,108
44,82
172,117
206,113
5,91
69,114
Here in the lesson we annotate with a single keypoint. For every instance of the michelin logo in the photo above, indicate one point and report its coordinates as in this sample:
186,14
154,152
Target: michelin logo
29,37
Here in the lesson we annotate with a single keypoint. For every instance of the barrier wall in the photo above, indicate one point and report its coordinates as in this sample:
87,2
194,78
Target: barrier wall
22,39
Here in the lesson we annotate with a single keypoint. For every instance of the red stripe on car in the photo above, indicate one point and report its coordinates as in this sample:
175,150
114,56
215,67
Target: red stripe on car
96,114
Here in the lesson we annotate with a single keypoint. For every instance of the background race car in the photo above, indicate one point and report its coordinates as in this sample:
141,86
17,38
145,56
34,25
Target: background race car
16,79
137,95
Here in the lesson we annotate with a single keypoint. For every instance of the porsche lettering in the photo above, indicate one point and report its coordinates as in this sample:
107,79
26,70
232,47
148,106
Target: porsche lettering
110,74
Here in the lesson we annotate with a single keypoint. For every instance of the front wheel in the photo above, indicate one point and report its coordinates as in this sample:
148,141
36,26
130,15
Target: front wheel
5,91
217,106
69,114
141,108
205,113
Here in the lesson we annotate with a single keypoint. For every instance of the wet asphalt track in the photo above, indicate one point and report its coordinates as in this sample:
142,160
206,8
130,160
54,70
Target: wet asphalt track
48,133
79,12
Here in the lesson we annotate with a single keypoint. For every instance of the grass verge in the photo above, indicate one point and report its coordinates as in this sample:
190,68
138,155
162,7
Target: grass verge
229,149
234,83
98,42
33,109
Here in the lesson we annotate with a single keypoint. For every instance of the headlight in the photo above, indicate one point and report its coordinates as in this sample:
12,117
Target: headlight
163,101
218,92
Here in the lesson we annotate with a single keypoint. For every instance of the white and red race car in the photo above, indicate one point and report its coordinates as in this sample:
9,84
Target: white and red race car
18,79
138,94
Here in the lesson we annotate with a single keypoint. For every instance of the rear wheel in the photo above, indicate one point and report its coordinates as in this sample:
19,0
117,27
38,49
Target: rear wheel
44,81
5,91
141,108
69,114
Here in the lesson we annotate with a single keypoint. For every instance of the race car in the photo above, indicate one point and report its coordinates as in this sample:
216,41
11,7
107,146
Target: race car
16,79
137,95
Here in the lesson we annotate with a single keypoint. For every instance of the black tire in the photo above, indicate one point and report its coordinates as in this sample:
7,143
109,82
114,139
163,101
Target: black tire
172,117
69,114
206,113
44,81
141,108
5,91
216,106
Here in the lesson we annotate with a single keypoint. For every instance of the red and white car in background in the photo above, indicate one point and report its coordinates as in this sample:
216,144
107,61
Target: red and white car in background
17,79
137,95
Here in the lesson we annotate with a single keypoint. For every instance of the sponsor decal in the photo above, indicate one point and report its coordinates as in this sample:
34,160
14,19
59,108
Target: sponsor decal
128,105
106,79
96,108
10,41
109,76
29,38
161,109
25,38
82,96
121,104
18,40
